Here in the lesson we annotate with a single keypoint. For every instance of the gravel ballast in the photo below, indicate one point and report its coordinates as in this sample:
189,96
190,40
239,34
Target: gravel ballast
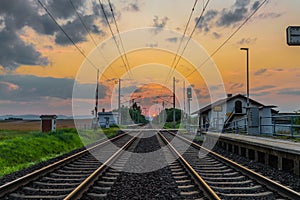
158,184
283,177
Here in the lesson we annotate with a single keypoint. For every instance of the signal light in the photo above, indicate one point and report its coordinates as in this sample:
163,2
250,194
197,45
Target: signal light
189,93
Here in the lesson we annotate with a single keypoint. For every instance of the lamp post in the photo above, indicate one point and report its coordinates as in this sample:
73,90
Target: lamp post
247,109
247,51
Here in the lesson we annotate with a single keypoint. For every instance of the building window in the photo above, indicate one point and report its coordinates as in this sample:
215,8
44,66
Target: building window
238,107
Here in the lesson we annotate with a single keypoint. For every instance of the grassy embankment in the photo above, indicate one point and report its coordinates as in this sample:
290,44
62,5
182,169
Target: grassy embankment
169,125
21,149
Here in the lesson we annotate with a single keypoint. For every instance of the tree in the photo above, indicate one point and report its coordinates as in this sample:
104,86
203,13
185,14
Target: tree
132,114
178,114
297,118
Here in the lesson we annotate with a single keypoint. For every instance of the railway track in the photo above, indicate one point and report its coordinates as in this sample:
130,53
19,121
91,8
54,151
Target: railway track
59,179
180,176
83,177
184,175
226,178
191,185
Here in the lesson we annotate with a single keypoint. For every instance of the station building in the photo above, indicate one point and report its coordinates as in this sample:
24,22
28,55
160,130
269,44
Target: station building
107,119
230,114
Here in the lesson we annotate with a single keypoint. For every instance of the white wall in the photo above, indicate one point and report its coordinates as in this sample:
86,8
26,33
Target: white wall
53,125
113,119
266,119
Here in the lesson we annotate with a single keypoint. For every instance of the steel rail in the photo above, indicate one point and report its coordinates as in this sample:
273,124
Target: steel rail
208,191
13,185
272,185
84,186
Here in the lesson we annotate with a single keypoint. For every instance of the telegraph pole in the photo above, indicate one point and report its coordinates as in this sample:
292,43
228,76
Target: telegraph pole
248,104
96,103
184,96
184,109
174,120
189,99
247,66
119,103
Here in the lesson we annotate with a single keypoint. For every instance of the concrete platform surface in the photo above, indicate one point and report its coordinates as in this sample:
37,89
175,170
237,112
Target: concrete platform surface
271,143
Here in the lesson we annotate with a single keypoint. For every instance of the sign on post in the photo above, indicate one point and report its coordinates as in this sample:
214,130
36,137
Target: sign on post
293,35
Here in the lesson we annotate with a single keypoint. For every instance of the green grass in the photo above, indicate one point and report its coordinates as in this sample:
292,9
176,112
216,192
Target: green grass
19,150
5,135
91,136
199,138
169,125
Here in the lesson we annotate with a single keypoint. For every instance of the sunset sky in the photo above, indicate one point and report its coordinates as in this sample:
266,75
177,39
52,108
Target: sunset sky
39,65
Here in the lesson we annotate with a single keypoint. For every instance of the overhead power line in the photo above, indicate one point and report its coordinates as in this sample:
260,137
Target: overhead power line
120,38
183,35
89,33
113,35
190,37
223,44
66,34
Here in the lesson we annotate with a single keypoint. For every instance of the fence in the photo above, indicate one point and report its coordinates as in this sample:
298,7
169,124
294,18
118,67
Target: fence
281,125
236,126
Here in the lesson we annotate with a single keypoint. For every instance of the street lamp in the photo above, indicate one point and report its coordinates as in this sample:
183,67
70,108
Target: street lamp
247,51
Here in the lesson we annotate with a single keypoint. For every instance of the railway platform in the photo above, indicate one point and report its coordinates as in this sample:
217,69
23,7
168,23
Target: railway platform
278,153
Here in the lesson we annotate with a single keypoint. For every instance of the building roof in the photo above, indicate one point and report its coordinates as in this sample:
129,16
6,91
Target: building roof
222,101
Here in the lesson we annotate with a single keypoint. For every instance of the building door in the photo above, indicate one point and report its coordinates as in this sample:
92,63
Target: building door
106,122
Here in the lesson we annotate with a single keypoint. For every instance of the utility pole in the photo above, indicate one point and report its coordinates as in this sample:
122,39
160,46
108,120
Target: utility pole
174,96
184,109
96,103
184,96
189,99
163,112
119,103
247,71
248,104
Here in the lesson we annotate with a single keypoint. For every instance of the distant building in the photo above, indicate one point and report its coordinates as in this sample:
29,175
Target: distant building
106,119
48,123
230,113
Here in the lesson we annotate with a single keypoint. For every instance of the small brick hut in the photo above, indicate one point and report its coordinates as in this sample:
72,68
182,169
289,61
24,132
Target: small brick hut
48,123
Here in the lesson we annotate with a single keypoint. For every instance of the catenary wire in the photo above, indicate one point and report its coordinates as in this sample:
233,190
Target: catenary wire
189,39
223,44
182,38
66,34
89,33
113,35
119,35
